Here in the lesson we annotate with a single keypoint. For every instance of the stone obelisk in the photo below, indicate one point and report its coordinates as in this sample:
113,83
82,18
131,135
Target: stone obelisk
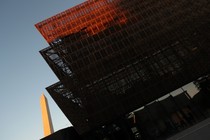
46,117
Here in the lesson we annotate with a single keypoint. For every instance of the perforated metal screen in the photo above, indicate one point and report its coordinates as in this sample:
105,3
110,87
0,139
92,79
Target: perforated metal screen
113,56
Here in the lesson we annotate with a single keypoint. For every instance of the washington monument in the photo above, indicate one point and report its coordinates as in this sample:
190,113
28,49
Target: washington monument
46,117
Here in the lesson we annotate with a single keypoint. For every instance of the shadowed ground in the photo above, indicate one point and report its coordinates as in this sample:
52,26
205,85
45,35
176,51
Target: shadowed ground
199,131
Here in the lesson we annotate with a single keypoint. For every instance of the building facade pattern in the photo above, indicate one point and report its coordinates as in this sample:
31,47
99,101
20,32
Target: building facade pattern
113,56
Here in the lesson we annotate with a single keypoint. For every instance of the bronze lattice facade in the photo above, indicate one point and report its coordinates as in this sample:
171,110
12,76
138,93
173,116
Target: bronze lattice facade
113,56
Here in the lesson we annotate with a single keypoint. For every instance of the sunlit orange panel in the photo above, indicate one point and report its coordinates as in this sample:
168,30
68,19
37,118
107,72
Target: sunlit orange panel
77,18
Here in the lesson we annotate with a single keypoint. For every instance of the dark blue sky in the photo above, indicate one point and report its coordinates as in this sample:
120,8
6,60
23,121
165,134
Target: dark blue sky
23,72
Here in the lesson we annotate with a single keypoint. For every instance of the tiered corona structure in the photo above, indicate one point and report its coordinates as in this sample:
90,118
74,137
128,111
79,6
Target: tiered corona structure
113,56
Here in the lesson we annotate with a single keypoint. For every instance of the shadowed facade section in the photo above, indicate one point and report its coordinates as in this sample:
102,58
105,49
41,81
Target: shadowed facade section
113,56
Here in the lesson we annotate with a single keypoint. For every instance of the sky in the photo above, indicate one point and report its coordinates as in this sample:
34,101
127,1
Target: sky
24,74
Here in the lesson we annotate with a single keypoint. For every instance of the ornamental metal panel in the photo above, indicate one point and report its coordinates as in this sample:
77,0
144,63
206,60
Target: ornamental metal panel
117,55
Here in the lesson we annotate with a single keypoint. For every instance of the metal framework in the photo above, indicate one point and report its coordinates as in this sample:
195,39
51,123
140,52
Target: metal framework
113,56
78,18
